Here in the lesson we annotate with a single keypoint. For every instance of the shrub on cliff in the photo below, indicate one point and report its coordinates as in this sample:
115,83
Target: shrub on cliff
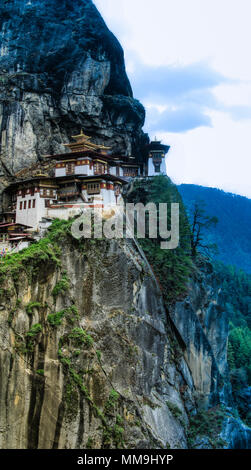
171,267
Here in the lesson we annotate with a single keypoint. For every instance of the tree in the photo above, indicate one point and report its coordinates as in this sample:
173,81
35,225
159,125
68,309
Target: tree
200,222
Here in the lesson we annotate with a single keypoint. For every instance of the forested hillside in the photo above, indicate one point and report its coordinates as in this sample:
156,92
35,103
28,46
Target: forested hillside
235,292
232,234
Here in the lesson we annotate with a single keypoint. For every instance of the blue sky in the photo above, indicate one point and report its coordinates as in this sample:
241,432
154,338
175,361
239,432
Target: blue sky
189,64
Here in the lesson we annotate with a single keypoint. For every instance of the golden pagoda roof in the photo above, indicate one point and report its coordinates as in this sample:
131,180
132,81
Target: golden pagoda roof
81,136
83,143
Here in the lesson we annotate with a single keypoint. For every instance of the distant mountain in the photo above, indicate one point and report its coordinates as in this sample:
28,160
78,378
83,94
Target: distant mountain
232,234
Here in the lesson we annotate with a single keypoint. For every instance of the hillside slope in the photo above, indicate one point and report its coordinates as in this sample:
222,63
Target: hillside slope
232,234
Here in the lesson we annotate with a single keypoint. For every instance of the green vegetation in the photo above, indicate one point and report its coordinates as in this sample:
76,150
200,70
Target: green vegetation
30,259
11,316
81,337
71,399
239,350
34,331
60,229
118,432
27,346
200,223
62,286
207,423
235,297
98,353
232,234
31,306
171,267
235,302
37,260
112,401
55,319
89,444
38,255
174,409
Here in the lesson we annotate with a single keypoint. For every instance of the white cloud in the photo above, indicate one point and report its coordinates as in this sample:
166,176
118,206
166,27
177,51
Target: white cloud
167,32
235,94
218,156
181,33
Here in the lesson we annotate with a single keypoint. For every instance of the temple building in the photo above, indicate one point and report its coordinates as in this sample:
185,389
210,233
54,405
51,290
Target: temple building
87,175
157,158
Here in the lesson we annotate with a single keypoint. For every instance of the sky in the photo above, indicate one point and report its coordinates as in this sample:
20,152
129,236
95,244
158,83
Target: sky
189,64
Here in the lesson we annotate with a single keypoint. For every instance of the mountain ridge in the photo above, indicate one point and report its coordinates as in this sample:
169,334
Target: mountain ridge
232,234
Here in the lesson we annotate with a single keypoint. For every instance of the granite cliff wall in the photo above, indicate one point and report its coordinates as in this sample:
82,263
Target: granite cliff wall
89,356
62,69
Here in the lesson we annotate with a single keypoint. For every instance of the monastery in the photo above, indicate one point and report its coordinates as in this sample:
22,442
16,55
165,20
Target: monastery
86,176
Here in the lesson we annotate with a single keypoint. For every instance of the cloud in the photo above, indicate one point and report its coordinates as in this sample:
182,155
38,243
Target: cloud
177,98
176,120
192,106
172,82
217,156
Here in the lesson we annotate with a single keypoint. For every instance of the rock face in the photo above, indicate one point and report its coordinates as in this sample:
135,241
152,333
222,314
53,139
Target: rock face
90,358
122,383
203,325
61,69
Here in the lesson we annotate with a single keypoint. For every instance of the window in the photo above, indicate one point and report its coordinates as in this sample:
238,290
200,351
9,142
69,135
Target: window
157,167
32,191
117,190
34,203
130,172
21,206
93,188
70,168
29,204
157,160
25,203
99,169
23,192
157,156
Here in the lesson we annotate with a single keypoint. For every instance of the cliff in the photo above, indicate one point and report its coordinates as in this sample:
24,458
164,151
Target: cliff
61,69
90,357
98,348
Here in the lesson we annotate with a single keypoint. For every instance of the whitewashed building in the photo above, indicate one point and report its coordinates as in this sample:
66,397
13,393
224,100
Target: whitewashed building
86,176
157,158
